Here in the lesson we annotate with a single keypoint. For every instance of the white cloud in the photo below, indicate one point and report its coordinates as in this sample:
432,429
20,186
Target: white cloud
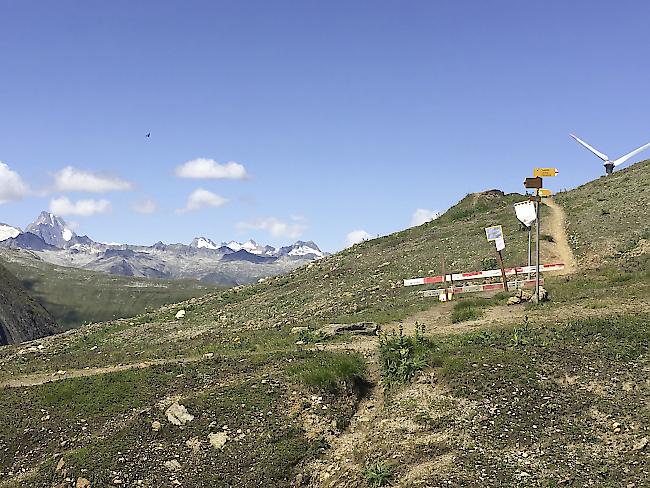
201,198
63,206
210,169
71,179
275,227
422,215
147,206
357,236
12,186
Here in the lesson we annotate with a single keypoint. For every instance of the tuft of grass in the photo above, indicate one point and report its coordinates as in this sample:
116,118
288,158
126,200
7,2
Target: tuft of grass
379,474
329,371
468,309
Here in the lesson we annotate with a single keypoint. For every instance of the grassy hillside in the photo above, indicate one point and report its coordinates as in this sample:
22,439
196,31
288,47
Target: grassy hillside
552,395
608,217
75,296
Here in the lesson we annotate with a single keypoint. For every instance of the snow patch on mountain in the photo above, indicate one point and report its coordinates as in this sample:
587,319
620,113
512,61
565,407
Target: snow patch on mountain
8,231
203,243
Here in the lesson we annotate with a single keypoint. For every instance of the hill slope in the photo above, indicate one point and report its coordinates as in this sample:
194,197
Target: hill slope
506,396
21,317
608,217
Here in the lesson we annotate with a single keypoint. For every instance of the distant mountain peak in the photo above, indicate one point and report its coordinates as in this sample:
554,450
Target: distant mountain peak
203,243
52,229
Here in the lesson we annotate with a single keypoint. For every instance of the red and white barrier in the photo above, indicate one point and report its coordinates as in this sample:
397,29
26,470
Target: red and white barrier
475,275
512,285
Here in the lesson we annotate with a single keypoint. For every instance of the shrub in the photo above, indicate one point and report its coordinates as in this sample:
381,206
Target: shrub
402,357
378,474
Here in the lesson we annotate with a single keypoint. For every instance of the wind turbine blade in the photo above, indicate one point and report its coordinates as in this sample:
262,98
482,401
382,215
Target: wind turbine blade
595,151
622,159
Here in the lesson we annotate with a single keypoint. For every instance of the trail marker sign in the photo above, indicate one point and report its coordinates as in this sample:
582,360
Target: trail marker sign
500,244
493,233
533,182
542,172
543,192
526,212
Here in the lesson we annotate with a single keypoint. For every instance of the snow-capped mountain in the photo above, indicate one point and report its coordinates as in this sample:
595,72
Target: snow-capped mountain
8,231
302,249
252,247
203,243
233,263
52,229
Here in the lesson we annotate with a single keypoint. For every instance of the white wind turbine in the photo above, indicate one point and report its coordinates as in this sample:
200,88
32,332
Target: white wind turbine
610,165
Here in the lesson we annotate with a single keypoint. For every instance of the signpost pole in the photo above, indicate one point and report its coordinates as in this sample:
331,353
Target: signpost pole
503,271
444,277
537,246
529,239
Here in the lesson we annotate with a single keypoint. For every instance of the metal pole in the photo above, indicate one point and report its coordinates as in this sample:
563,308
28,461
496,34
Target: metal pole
537,247
529,256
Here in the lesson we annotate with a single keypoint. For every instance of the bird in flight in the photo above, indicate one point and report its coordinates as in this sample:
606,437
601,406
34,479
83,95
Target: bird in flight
148,134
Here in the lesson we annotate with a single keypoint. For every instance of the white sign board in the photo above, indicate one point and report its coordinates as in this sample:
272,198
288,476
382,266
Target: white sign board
500,243
526,212
494,232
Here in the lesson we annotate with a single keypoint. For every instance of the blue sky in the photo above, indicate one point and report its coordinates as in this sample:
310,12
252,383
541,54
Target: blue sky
344,115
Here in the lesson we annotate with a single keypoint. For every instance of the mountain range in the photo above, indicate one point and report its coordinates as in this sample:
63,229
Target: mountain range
228,263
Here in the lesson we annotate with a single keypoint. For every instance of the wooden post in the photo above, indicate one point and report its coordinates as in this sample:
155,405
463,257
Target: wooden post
444,278
503,271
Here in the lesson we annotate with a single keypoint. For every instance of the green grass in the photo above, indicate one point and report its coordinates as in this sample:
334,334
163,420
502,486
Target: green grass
468,309
329,372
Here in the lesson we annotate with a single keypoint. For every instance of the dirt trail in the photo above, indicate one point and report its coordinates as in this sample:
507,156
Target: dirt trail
42,378
340,466
556,226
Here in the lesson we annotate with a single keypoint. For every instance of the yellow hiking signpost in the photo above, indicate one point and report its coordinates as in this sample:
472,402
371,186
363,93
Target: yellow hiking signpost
537,184
543,172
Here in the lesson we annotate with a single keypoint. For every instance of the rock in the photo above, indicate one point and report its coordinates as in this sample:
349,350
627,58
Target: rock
82,483
180,314
543,295
357,328
60,465
298,330
155,426
194,443
642,444
299,479
172,465
218,440
178,414
514,300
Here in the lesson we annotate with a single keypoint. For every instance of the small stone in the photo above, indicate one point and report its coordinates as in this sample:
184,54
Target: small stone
82,483
156,426
218,440
180,314
178,414
172,465
60,465
642,444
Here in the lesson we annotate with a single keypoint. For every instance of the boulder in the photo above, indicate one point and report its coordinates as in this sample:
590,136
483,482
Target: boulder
357,328
180,314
